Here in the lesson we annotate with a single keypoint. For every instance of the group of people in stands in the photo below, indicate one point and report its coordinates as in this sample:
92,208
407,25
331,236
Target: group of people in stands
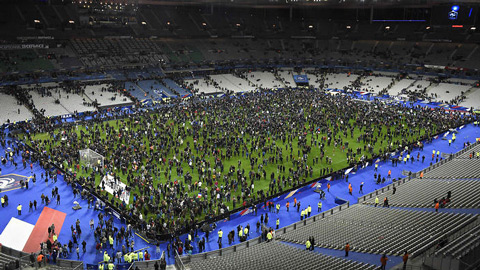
442,202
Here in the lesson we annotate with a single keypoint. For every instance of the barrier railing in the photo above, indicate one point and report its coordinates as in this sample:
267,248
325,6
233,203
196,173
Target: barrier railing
413,176
24,259
180,261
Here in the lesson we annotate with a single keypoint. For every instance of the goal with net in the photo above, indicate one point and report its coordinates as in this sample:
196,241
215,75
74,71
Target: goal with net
91,158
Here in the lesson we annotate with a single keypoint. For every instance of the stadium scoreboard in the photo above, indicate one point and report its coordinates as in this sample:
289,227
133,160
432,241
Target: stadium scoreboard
454,15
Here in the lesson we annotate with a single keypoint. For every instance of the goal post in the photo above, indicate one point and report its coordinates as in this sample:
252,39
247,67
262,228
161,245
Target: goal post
91,158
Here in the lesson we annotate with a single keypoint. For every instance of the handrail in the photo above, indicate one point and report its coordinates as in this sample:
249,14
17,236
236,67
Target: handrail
178,262
414,175
257,240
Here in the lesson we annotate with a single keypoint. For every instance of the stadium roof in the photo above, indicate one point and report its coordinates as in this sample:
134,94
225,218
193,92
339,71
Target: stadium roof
325,3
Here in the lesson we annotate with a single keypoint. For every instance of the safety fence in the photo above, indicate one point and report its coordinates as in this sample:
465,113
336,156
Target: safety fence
180,261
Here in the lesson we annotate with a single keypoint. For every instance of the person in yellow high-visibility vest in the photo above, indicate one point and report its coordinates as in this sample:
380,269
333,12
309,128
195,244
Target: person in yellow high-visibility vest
101,266
55,237
110,239
278,207
307,245
269,236
376,201
140,256
302,214
245,231
240,233
220,235
278,223
111,266
19,209
309,210
126,257
106,257
135,256
319,206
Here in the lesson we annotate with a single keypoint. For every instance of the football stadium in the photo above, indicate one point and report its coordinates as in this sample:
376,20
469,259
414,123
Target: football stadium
240,134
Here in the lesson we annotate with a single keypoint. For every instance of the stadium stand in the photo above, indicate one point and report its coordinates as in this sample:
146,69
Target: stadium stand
46,103
206,86
399,87
472,99
287,76
175,87
12,111
105,95
456,169
421,194
276,255
447,93
375,84
460,247
360,226
263,79
339,81
135,90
